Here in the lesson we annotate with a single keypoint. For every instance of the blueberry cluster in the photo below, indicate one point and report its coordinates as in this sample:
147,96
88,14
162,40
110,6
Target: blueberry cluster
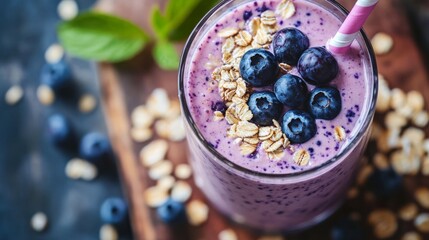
315,65
93,146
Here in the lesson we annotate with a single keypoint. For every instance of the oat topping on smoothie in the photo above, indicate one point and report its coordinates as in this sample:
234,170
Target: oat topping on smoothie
248,62
267,87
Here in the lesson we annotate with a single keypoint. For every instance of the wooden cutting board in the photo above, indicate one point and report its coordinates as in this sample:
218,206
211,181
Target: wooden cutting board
126,85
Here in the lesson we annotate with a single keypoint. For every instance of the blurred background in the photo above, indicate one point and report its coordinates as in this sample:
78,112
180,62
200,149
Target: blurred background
69,162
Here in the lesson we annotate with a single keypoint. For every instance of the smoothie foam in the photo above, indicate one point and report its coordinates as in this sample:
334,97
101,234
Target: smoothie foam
319,25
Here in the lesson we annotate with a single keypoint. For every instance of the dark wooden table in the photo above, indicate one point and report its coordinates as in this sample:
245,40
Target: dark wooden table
126,85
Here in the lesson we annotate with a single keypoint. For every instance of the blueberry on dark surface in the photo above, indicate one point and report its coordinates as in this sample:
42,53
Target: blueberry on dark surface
291,90
298,126
94,146
59,129
317,66
56,75
324,103
289,44
347,229
265,107
171,211
384,182
258,67
113,210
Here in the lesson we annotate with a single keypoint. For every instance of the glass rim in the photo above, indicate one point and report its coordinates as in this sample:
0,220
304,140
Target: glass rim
219,157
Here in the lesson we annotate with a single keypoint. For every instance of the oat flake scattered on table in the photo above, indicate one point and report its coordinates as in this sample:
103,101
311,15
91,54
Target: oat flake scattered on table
154,152
227,234
383,222
80,169
14,94
45,94
87,103
54,53
67,9
155,196
183,171
39,221
181,191
160,169
197,212
108,232
382,43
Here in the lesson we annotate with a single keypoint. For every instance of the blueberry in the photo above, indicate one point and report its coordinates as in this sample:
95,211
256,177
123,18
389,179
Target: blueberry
384,182
262,9
347,229
94,146
289,44
247,15
291,90
59,129
56,75
258,67
265,107
171,211
218,106
317,66
324,103
113,210
298,126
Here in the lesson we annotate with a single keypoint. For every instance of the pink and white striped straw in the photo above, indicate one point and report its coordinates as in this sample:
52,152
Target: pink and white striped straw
342,40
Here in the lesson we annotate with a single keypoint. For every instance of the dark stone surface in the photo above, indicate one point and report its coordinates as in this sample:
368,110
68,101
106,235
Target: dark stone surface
32,176
418,12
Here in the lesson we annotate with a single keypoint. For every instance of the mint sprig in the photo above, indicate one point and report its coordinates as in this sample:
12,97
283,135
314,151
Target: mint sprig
103,37
175,24
188,15
176,12
166,55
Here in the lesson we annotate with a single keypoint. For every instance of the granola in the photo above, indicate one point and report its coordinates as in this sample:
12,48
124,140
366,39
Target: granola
286,9
233,90
301,157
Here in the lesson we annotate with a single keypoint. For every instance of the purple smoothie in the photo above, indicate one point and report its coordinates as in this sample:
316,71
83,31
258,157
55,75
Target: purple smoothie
253,189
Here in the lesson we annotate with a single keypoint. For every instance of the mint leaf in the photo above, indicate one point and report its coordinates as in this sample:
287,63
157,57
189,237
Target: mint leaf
159,23
166,55
183,30
180,18
178,10
102,37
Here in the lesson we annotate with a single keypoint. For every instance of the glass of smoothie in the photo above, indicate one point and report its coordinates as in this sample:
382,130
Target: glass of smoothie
276,125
